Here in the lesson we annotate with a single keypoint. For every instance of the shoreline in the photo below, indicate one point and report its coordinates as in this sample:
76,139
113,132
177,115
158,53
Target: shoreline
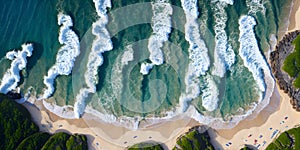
107,136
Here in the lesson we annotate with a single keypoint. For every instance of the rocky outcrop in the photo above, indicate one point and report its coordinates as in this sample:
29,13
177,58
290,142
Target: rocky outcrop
277,57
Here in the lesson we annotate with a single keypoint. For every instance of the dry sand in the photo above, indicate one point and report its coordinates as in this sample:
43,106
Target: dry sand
295,17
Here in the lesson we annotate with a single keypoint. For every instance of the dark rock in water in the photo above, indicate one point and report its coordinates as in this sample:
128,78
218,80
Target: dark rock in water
14,95
277,57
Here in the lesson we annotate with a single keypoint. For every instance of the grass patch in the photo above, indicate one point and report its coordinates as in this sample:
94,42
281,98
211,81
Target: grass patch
194,141
287,140
291,64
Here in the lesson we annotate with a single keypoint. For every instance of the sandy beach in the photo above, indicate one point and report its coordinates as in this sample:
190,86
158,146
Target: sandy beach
295,17
107,136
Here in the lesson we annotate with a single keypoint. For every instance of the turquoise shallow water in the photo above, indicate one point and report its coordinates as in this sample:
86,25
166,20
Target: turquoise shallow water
36,21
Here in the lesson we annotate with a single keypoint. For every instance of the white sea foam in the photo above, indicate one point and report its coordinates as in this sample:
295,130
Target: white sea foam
249,50
100,44
210,94
161,25
117,75
127,55
230,2
224,56
198,55
61,111
198,52
255,6
65,56
145,68
11,77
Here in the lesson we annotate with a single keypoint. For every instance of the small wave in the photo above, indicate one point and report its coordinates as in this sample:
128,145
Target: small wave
249,51
210,94
100,44
161,25
117,76
198,52
65,56
11,77
198,55
224,54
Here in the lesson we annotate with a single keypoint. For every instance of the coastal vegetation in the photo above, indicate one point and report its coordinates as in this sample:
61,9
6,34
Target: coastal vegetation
194,140
17,131
15,124
285,62
34,141
292,63
146,146
287,140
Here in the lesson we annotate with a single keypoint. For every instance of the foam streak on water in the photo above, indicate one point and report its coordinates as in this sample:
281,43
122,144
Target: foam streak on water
117,76
198,54
66,55
224,56
11,77
255,6
161,25
101,44
249,51
210,94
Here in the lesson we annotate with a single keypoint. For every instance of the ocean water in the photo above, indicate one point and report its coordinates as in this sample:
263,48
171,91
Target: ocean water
214,55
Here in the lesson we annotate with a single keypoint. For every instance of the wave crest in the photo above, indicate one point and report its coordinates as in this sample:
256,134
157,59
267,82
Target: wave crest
224,54
66,55
249,51
11,77
161,25
198,55
101,44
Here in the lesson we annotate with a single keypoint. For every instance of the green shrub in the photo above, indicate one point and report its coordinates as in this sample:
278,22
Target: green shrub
194,141
15,123
291,64
289,140
146,146
34,142
77,142
57,142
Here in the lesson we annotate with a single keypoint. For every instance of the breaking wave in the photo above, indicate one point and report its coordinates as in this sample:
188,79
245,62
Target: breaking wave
249,51
161,25
210,94
66,55
224,54
198,55
11,77
100,44
198,52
